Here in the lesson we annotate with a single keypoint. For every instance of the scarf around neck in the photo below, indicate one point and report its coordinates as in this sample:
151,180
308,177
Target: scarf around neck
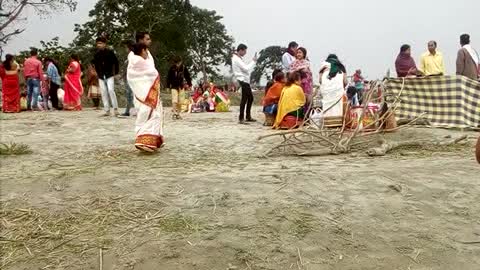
472,53
404,63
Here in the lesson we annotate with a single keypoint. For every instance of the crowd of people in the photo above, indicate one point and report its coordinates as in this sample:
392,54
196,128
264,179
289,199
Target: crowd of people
432,63
286,107
289,96
288,100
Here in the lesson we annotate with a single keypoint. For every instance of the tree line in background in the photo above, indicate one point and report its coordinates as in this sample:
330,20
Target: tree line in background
12,13
176,27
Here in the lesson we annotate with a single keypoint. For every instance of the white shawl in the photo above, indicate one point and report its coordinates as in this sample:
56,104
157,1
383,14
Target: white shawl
141,76
472,53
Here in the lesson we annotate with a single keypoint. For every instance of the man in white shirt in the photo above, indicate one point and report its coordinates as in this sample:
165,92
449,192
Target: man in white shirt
242,71
289,56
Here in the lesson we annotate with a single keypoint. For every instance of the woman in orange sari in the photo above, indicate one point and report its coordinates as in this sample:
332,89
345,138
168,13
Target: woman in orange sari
270,101
10,85
73,85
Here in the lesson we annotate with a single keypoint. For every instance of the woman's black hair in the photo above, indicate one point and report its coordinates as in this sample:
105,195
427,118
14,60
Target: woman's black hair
404,48
75,57
279,77
304,52
138,48
7,64
275,72
293,78
129,44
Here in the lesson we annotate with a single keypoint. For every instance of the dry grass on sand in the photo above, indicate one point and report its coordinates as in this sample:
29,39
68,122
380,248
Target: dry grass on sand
84,198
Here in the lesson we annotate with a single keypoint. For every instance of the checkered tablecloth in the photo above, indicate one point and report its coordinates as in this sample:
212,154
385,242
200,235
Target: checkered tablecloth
449,101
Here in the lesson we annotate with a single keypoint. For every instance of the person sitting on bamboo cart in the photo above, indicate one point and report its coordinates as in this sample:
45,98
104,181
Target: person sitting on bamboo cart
333,80
291,105
271,99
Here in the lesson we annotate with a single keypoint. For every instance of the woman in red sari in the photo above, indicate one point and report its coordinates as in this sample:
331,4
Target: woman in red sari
73,85
10,85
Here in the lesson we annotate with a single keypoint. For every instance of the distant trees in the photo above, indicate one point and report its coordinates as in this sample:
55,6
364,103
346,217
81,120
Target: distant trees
12,11
269,59
176,27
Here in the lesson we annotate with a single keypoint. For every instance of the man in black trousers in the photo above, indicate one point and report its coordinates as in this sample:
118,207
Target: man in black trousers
242,71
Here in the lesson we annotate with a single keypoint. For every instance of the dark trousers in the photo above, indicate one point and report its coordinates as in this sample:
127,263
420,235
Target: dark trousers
96,102
53,92
247,101
129,96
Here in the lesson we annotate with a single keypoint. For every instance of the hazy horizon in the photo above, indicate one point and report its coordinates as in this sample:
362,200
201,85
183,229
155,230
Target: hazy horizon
364,34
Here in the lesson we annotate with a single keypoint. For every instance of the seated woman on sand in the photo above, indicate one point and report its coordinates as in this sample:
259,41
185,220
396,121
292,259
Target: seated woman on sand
271,99
291,105
333,80
222,101
198,104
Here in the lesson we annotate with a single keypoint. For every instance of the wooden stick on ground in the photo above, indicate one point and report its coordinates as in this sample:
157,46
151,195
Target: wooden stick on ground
101,258
389,146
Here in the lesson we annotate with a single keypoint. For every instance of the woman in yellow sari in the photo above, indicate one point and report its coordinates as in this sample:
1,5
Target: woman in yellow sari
291,105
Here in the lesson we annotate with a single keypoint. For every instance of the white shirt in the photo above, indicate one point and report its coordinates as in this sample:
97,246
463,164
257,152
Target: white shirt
287,60
241,70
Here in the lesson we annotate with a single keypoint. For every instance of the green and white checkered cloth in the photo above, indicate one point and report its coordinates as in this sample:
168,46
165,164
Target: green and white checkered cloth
447,101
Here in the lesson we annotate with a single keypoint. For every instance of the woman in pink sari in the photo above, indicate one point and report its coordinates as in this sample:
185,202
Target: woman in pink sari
73,85
302,65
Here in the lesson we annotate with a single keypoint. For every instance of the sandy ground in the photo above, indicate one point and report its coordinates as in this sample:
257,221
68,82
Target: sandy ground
86,199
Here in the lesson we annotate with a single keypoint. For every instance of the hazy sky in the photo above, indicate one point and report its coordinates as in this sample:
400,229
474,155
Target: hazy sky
365,34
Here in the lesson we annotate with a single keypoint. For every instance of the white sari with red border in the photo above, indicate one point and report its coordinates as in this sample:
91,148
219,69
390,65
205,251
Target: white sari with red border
144,79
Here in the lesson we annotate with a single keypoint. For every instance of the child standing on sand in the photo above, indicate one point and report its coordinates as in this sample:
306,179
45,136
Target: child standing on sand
45,92
93,87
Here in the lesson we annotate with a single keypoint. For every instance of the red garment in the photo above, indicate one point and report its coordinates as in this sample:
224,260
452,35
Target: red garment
198,94
10,92
73,88
32,68
290,122
357,78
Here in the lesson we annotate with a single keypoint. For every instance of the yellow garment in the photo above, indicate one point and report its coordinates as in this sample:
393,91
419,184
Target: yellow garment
292,99
432,64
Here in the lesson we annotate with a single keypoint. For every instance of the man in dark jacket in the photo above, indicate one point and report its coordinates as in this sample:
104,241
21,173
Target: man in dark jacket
106,64
178,80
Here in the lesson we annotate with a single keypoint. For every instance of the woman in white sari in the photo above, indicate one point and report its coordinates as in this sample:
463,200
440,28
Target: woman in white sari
333,79
144,79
